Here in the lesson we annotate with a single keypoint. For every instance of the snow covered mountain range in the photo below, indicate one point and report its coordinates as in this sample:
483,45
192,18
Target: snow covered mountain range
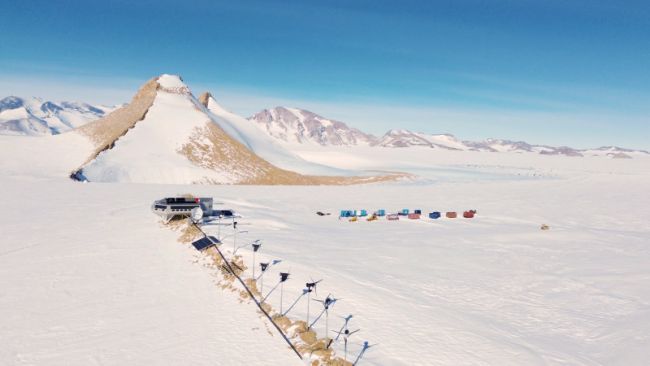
33,116
405,138
292,125
165,135
274,133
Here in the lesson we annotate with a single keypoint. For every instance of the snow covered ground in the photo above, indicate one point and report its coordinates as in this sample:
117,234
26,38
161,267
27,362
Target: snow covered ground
89,276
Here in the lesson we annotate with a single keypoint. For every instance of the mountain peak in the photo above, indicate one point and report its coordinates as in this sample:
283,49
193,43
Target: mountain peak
205,98
172,84
11,102
144,142
208,101
300,126
35,117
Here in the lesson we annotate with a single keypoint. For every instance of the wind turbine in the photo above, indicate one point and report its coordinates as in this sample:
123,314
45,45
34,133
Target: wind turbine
283,277
264,267
256,246
366,346
346,334
344,326
329,301
311,286
304,292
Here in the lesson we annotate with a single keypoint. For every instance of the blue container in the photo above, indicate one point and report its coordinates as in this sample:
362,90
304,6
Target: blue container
418,212
381,213
363,213
404,212
434,215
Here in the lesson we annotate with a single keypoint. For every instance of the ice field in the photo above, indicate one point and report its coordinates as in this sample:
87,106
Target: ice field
90,276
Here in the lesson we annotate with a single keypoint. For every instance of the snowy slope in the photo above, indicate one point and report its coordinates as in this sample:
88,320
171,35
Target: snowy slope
99,282
298,126
405,138
109,285
148,153
165,135
254,138
616,152
35,117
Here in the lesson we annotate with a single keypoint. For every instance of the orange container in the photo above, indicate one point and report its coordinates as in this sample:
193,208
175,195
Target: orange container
451,215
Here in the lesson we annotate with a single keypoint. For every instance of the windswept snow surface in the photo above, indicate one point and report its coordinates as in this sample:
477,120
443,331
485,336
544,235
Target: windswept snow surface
88,276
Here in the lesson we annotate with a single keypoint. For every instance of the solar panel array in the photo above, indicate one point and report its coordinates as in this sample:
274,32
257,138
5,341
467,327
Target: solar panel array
205,243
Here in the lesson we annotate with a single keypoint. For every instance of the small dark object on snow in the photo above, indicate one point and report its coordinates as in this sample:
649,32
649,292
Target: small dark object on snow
205,243
319,213
469,214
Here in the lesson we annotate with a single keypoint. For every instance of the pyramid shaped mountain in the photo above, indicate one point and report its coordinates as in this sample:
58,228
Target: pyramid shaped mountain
166,135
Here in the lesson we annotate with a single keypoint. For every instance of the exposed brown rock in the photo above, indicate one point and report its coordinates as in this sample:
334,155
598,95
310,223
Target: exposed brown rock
104,131
212,148
204,98
209,147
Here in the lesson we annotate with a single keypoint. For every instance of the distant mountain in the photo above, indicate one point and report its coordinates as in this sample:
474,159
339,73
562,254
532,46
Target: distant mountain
166,135
615,152
499,145
406,138
272,134
250,134
299,126
294,128
35,117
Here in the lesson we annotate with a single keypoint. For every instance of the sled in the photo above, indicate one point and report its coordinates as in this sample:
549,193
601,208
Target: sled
434,215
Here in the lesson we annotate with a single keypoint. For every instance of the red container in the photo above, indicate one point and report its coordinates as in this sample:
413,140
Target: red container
414,216
468,214
451,215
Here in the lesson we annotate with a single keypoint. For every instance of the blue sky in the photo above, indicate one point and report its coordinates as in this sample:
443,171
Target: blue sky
557,72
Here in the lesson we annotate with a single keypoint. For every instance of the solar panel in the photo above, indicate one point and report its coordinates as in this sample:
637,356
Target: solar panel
205,243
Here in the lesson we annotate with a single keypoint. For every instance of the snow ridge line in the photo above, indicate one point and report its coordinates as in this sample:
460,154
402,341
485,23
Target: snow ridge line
232,271
104,132
78,174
